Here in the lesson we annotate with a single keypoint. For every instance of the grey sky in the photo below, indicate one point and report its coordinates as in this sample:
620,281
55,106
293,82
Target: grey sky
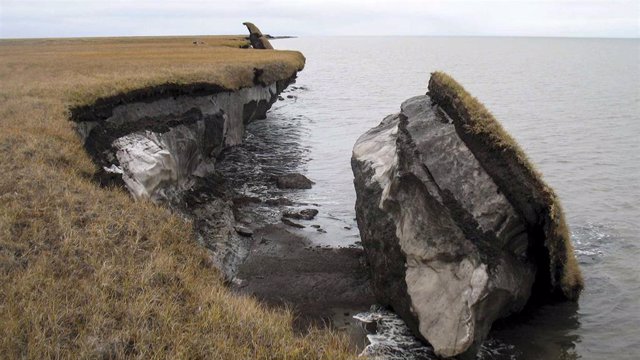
62,18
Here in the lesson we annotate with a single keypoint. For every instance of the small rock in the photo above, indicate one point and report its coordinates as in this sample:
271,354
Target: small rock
291,223
347,227
293,181
308,204
306,214
243,231
239,282
244,200
279,202
315,226
280,98
321,231
290,97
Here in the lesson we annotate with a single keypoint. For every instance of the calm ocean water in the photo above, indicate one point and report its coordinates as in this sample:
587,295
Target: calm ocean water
574,106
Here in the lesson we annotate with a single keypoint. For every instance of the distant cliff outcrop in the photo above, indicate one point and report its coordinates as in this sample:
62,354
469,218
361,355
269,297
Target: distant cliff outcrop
458,227
257,39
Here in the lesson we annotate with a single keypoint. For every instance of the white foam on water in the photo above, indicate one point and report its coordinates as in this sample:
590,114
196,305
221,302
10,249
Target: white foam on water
393,339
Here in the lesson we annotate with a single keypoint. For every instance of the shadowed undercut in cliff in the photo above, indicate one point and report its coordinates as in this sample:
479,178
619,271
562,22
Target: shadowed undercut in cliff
194,122
535,201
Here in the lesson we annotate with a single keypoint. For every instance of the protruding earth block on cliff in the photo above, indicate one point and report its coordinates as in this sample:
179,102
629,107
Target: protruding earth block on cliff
257,39
455,241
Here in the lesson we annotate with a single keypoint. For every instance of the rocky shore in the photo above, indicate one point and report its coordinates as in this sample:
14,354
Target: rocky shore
322,285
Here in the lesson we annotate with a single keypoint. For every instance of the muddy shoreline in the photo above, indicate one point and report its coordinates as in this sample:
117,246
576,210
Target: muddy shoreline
284,266
281,265
324,286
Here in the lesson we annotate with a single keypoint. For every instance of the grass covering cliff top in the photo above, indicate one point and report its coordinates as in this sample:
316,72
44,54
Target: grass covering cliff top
516,176
92,68
86,272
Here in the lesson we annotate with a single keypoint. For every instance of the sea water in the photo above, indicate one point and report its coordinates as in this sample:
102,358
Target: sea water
572,104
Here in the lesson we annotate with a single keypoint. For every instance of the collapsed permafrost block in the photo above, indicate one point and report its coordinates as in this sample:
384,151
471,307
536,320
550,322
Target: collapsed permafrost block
458,227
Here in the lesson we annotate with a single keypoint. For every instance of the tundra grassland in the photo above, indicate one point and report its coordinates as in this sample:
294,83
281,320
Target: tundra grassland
87,272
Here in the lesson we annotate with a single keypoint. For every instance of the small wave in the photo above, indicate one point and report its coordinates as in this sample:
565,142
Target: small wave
592,242
493,349
393,339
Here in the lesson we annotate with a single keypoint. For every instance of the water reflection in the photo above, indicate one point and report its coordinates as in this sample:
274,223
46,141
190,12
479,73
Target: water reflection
582,138
273,146
280,145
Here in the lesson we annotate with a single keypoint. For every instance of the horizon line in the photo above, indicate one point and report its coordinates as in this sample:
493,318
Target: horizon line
321,35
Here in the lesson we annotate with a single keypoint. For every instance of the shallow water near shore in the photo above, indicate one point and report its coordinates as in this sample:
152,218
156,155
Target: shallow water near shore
572,104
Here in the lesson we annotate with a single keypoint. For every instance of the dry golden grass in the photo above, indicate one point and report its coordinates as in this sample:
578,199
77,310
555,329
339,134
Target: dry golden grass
482,124
86,272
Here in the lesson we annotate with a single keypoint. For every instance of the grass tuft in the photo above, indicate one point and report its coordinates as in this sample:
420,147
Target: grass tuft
86,272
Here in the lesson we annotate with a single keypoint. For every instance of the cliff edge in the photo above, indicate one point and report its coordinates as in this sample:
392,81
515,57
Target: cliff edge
86,271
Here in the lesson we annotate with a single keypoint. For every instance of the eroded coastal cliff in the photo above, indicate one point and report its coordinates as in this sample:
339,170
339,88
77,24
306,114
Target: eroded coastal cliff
458,227
166,144
162,143
85,270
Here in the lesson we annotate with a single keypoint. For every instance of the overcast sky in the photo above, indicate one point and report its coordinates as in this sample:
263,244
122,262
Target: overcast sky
63,18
